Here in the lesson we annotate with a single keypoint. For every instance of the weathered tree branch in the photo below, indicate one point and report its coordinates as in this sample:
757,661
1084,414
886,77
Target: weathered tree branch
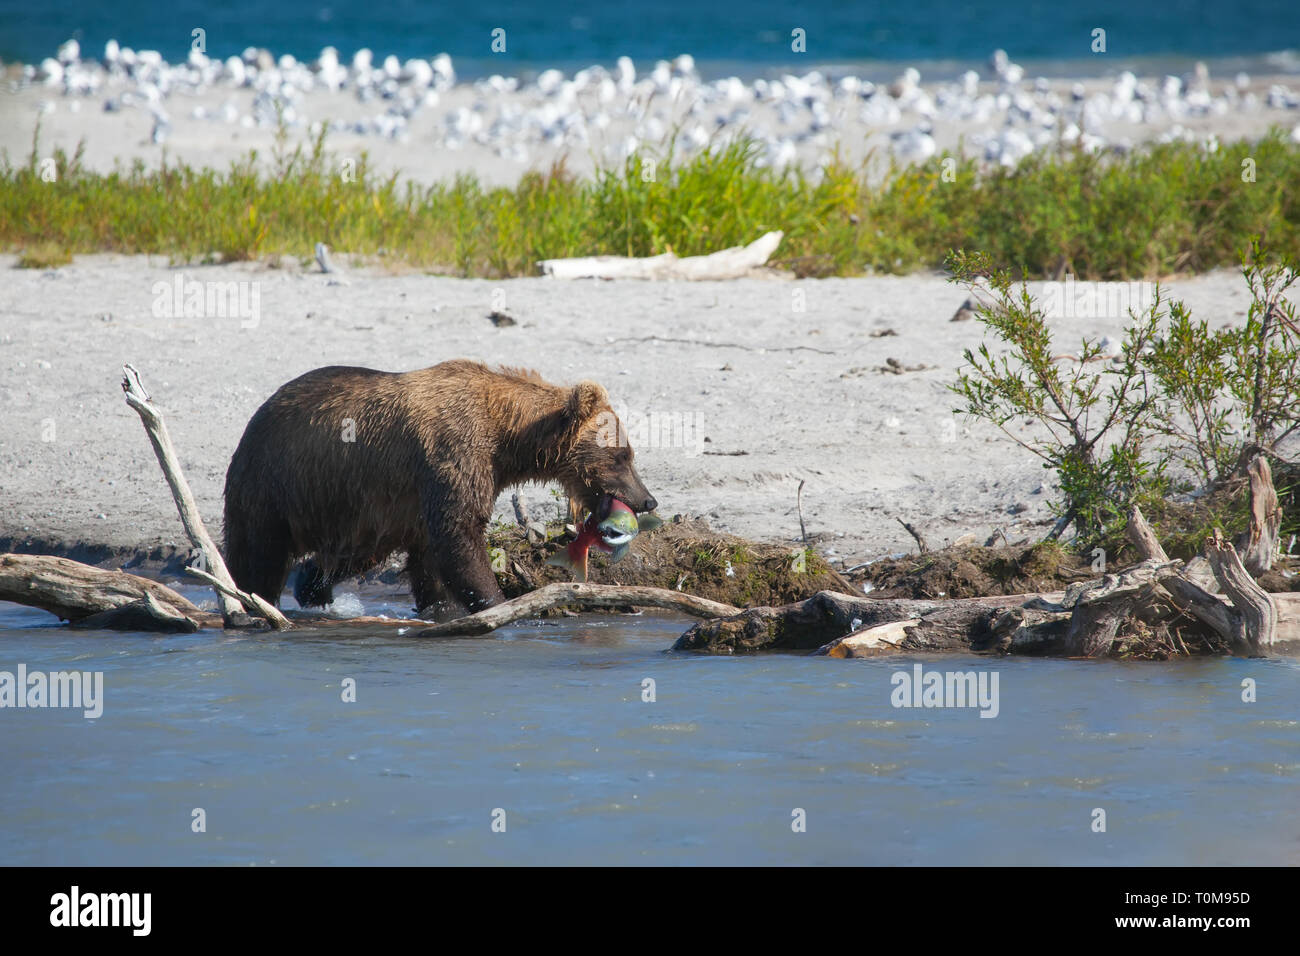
962,624
883,638
1143,538
136,396
1250,622
1256,620
1259,545
572,594
251,601
920,541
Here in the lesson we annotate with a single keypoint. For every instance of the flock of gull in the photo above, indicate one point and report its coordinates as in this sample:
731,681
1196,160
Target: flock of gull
1004,116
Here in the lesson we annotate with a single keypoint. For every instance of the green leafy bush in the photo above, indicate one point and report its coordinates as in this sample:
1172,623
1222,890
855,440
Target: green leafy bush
1181,402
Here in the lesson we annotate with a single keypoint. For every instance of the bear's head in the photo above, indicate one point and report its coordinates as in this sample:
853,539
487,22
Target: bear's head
599,460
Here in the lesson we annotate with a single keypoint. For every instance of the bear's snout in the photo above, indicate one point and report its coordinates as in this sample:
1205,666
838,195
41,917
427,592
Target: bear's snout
634,494
642,502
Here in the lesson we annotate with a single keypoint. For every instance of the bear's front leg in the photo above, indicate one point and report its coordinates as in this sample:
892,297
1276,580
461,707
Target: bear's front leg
434,600
471,579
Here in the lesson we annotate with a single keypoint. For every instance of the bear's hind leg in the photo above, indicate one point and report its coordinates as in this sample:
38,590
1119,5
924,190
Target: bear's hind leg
258,558
311,588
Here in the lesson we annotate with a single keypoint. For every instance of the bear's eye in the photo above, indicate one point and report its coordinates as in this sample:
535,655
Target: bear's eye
624,456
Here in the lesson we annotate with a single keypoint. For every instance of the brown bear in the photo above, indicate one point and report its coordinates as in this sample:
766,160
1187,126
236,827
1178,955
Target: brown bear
353,464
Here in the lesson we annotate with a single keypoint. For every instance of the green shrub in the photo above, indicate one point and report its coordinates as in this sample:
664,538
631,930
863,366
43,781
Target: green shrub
1180,400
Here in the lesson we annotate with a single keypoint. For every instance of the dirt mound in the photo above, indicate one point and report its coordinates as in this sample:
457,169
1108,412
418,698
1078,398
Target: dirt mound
975,572
685,554
982,572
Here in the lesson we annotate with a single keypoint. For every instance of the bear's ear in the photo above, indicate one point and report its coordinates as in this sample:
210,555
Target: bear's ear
587,399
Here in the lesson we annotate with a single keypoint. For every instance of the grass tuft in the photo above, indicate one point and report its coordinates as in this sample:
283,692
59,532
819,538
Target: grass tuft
44,255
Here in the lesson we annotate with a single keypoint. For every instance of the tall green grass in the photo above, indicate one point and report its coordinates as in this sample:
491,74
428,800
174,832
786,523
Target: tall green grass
1162,209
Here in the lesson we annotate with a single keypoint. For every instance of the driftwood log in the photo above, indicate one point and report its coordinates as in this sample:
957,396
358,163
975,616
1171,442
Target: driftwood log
730,263
1254,618
951,625
91,597
1024,625
1083,621
76,592
117,600
143,615
563,594
842,625
98,598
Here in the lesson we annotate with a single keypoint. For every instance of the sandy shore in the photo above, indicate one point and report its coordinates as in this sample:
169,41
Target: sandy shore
798,393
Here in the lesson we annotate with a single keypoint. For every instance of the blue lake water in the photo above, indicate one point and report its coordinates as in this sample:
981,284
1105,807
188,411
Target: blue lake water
743,36
547,723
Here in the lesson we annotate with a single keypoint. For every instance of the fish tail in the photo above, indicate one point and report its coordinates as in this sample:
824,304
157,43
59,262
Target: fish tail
576,567
648,521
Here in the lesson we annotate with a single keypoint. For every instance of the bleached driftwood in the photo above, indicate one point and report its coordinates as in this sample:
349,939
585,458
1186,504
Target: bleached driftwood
1259,545
854,626
574,594
1255,621
730,263
1023,624
873,640
231,610
1248,621
115,600
251,601
1142,538
1099,608
75,591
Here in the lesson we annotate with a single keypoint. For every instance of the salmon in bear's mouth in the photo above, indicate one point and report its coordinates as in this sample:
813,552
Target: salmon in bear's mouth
605,511
619,526
609,528
613,520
